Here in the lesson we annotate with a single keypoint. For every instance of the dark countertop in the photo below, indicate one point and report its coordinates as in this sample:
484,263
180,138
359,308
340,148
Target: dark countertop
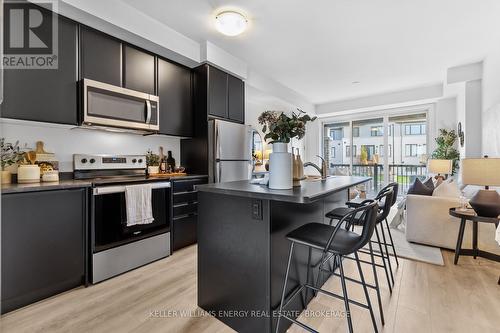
65,184
45,186
310,191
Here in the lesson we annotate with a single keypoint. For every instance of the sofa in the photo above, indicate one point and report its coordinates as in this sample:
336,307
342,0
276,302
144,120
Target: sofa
428,222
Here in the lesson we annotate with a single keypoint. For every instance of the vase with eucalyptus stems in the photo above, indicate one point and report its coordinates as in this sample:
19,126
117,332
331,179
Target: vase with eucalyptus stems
10,155
279,128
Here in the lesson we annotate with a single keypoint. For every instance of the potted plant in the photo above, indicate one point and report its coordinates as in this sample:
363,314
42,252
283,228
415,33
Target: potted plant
279,129
446,148
10,155
153,163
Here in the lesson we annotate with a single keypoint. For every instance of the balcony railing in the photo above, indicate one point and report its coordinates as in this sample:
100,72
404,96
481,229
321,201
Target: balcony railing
403,174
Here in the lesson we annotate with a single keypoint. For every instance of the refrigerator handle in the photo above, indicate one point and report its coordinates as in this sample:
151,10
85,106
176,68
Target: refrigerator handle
217,142
218,172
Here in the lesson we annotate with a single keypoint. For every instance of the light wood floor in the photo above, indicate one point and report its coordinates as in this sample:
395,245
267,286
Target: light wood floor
426,298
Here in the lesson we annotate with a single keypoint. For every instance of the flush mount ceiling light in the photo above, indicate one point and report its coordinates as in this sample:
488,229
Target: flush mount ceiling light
230,23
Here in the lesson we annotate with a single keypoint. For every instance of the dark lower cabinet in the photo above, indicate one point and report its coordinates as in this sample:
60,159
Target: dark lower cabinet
184,231
176,99
42,245
185,211
46,95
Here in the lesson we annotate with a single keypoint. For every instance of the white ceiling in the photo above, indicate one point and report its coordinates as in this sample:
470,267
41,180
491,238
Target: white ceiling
318,48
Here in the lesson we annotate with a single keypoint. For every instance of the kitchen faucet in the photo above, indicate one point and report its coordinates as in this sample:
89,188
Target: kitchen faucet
323,170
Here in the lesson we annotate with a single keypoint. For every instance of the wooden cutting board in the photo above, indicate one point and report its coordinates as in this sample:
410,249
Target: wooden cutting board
168,175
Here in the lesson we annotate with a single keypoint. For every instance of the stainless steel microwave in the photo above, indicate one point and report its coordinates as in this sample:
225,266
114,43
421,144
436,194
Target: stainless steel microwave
111,106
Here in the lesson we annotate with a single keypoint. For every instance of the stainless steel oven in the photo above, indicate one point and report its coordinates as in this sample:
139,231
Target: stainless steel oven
115,247
111,106
118,248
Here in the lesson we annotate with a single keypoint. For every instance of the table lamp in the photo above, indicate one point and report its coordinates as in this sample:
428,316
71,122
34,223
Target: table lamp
484,172
439,167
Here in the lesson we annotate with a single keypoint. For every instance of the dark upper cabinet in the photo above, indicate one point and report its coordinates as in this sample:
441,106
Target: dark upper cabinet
176,102
217,92
236,99
47,95
101,57
138,70
43,247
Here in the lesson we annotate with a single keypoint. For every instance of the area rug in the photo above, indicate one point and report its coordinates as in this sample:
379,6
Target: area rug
412,251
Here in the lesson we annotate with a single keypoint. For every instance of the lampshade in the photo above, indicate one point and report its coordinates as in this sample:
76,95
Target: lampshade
481,171
440,166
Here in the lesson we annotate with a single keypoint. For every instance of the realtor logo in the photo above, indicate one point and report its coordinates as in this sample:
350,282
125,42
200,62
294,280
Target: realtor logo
30,34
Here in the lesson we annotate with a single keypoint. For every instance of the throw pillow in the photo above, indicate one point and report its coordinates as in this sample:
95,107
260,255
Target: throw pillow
429,183
448,189
419,188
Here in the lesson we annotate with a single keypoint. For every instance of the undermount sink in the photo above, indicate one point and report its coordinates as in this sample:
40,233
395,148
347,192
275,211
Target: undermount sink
311,178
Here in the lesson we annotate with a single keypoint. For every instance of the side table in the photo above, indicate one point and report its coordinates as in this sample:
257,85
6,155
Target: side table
471,216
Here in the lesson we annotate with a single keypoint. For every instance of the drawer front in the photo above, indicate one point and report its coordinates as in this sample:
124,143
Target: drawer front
187,185
184,232
185,197
183,209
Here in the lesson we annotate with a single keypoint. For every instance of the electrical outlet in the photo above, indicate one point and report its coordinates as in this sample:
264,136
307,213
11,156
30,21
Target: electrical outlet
257,209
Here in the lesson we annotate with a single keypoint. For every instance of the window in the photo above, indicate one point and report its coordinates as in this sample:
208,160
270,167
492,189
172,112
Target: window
410,150
414,129
332,152
377,131
347,151
336,133
370,151
354,152
382,152
355,132
422,149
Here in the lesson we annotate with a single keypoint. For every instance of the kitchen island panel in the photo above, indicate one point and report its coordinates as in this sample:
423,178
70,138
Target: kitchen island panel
233,260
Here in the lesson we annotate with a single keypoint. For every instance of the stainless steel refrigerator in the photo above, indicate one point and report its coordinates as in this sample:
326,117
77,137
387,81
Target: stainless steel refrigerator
229,150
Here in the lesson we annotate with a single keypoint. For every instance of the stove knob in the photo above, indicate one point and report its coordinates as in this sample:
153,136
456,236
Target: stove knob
92,160
83,160
140,160
134,160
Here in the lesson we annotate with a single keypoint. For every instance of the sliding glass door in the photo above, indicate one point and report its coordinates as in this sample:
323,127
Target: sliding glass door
408,149
389,148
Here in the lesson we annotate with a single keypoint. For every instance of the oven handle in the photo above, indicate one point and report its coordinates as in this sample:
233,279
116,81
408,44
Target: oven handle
121,188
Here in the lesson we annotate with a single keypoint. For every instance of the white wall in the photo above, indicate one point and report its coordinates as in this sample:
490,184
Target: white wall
65,141
473,119
491,79
446,115
491,103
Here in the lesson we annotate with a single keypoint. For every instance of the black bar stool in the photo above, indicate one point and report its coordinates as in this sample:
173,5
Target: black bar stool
334,242
395,188
385,204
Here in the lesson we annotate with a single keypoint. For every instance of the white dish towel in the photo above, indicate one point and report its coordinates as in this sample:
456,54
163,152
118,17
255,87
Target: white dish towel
139,206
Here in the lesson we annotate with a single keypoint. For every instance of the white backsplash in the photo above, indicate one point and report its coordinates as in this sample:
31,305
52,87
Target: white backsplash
64,141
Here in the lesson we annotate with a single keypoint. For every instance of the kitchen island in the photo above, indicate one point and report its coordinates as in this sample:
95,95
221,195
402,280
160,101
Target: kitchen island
242,249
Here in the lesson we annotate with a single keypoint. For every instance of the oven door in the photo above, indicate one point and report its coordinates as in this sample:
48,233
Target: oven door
110,217
108,105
